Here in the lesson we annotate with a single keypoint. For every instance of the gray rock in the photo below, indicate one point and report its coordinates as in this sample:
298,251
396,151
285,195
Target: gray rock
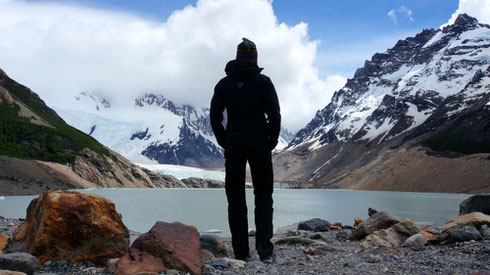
415,242
485,232
476,203
342,235
219,263
316,236
252,233
463,234
371,258
213,245
255,264
372,211
316,225
292,233
22,262
379,220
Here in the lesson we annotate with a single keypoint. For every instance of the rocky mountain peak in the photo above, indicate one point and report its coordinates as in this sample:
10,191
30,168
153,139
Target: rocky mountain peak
399,89
465,20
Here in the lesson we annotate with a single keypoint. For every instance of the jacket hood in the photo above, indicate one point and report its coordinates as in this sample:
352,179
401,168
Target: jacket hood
242,69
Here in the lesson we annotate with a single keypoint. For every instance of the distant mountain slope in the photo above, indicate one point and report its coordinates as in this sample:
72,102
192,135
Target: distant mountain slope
431,89
151,129
39,151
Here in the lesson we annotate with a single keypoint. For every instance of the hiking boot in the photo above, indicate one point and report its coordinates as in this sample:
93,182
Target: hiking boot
269,259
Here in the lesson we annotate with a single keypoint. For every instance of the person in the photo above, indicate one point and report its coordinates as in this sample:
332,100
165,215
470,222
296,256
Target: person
251,133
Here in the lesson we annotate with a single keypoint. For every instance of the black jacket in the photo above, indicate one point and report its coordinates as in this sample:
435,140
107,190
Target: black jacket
251,104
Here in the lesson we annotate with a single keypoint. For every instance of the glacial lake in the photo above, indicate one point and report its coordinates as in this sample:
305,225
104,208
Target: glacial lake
207,208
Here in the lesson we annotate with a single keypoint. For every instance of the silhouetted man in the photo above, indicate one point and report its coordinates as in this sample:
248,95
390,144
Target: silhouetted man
252,131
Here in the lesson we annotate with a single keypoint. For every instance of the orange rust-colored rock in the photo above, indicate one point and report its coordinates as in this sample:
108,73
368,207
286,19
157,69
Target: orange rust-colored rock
427,236
174,245
335,227
357,221
136,261
3,241
476,219
74,227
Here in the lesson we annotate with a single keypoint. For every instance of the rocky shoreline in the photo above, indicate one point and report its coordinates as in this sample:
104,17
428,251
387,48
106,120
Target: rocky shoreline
382,244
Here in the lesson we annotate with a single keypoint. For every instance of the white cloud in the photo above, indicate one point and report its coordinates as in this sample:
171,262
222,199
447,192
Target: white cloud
392,15
475,8
404,11
59,50
407,12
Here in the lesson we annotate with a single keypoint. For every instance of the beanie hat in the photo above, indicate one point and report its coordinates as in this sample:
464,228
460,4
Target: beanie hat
246,50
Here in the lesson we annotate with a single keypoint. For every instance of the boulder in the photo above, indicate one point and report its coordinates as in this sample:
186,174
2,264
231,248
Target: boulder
476,219
392,237
136,260
213,245
476,203
372,211
316,225
22,262
462,234
165,246
9,272
415,242
379,220
485,232
427,236
357,222
3,242
206,256
73,226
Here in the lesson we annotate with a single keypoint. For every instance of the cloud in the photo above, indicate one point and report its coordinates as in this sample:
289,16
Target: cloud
404,11
407,12
59,50
476,8
392,15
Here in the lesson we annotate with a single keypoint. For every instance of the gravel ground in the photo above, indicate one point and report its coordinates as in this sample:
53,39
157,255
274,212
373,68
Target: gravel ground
336,257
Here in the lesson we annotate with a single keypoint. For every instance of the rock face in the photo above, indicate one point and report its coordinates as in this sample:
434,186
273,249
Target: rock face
476,219
392,237
165,246
476,203
194,182
74,227
22,262
316,225
379,220
433,88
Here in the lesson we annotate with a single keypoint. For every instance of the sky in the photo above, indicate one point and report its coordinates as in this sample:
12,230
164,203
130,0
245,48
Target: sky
122,49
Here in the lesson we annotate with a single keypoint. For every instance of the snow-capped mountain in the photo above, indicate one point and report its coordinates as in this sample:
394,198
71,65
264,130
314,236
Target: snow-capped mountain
150,129
285,137
432,90
398,90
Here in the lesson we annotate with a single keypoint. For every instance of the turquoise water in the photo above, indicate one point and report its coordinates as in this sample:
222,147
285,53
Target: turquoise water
207,209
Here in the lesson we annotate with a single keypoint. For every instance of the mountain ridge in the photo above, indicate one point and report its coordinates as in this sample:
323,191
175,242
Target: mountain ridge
421,91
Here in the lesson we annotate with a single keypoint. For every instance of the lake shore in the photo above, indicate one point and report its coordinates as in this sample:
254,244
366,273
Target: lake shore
328,253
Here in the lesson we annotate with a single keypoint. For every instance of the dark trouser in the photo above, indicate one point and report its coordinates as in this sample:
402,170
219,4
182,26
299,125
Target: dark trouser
259,159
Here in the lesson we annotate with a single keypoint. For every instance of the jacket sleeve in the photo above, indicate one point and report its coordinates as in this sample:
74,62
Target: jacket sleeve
216,115
273,113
